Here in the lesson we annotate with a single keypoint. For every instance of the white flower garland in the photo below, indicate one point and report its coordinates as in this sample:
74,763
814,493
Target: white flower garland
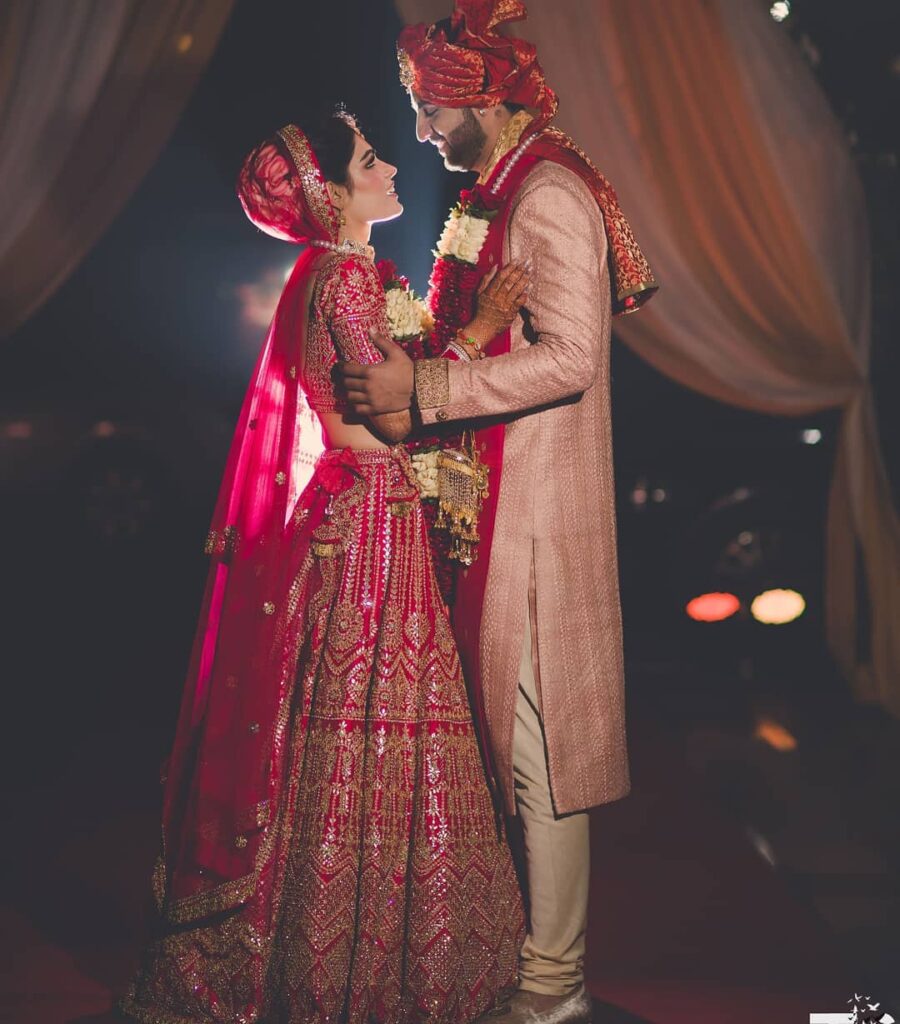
463,236
409,317
425,466
407,314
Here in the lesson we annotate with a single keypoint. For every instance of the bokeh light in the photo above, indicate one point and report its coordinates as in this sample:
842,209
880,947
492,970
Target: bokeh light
777,607
259,299
19,430
775,735
103,429
713,607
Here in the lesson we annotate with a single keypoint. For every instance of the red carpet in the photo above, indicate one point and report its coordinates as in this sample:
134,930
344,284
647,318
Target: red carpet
688,925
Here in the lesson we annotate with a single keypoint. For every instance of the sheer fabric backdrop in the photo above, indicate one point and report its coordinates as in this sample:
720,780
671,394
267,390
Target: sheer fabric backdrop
90,91
735,176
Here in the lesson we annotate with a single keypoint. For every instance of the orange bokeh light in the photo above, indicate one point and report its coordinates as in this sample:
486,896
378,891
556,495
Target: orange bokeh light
775,734
712,607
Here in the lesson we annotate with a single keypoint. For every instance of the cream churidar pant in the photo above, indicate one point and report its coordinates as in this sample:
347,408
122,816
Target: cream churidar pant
557,854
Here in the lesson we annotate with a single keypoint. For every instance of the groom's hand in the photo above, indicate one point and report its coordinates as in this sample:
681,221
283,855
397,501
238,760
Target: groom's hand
383,387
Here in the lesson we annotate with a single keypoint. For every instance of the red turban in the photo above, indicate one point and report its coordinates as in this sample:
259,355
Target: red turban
464,62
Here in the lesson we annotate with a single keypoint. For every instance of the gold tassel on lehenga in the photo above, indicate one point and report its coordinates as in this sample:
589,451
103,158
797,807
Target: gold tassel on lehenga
462,487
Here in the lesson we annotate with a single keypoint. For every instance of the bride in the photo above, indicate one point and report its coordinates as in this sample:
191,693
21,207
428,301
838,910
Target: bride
331,850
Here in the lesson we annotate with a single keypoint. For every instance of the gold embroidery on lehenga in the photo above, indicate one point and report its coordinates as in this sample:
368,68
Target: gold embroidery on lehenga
231,947
347,620
357,783
323,549
211,901
378,889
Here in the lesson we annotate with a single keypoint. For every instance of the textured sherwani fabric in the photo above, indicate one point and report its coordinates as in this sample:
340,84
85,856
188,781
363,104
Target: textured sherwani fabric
556,505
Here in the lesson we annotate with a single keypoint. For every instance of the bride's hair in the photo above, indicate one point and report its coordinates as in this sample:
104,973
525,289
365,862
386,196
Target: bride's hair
332,137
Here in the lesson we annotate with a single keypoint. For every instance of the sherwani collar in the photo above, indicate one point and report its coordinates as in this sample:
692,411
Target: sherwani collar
507,140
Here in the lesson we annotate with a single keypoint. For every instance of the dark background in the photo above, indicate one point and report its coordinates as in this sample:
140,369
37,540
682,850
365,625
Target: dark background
118,398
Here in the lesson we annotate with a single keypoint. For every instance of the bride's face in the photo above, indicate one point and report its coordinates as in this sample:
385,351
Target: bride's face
371,197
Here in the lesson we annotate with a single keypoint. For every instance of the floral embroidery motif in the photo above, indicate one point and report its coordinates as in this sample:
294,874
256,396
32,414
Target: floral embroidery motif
348,301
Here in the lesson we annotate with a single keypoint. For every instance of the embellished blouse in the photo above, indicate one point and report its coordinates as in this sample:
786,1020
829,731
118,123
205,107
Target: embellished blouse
347,302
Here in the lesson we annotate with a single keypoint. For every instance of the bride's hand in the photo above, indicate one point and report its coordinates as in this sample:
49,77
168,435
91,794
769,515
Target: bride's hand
501,295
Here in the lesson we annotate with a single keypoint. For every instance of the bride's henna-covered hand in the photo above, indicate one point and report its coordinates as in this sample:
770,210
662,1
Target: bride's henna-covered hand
500,297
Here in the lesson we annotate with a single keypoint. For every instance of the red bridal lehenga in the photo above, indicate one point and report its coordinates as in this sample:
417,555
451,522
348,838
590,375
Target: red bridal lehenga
331,849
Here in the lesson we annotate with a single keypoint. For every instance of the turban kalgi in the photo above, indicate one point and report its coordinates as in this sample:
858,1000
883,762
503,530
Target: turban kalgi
464,61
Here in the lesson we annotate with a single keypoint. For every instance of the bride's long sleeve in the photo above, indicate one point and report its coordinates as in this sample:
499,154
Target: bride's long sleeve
357,306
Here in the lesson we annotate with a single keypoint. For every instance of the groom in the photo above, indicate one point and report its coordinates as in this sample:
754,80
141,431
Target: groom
548,648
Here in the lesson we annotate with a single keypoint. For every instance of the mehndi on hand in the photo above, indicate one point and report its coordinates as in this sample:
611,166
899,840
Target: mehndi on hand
500,297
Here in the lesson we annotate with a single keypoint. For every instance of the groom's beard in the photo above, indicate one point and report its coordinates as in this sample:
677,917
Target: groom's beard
465,143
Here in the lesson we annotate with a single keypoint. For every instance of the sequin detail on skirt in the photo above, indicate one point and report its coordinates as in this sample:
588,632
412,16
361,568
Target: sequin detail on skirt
387,895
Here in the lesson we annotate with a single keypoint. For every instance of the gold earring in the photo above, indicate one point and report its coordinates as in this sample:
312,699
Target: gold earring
342,220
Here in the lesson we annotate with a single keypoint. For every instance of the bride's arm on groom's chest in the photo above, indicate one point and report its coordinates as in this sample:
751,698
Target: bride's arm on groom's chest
556,222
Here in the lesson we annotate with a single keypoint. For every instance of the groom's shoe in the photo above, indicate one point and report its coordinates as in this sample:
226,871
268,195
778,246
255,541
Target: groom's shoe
536,1008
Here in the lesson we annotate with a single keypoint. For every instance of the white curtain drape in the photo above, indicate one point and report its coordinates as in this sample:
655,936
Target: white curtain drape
735,176
90,91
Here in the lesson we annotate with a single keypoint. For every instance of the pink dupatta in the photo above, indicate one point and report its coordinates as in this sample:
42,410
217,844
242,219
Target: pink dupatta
224,778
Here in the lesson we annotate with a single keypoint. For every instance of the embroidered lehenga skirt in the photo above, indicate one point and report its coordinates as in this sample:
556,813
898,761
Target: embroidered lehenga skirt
391,895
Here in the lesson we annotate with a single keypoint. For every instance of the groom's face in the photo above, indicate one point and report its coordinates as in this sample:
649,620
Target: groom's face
456,133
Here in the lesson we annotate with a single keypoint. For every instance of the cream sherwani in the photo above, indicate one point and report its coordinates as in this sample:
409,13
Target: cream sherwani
555,525
551,637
